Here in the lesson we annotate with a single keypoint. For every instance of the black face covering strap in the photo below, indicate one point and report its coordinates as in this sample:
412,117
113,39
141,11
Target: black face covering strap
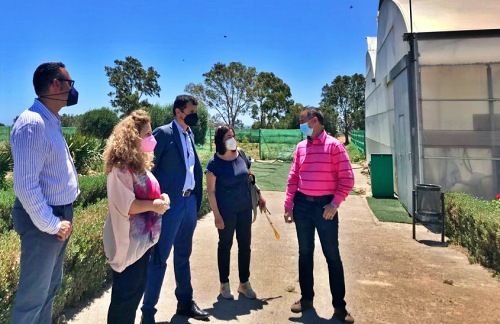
72,97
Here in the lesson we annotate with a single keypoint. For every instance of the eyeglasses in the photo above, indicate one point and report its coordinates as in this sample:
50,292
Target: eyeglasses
71,82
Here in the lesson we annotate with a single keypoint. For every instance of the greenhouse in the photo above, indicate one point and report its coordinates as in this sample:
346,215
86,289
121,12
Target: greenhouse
433,95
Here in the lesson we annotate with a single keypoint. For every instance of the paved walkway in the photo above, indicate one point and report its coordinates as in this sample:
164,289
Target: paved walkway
390,278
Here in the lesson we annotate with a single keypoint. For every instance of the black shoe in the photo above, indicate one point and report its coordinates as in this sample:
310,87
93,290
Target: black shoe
193,311
147,317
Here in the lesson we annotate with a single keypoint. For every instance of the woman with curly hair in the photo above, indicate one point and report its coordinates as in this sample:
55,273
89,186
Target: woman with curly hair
135,207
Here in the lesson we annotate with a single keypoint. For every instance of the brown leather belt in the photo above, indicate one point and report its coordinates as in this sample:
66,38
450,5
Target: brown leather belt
186,193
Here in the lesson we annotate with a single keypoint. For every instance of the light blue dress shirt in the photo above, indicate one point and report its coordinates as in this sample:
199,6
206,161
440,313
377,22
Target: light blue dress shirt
44,172
187,141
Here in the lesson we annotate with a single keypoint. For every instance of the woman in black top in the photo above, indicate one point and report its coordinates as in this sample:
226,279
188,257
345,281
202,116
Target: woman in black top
229,196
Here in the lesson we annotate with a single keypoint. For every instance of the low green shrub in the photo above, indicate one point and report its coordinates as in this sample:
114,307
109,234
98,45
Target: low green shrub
92,189
85,268
475,225
86,152
205,205
10,247
97,122
6,162
354,155
7,198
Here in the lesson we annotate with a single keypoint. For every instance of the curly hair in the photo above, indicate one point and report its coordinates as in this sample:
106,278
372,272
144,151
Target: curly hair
123,147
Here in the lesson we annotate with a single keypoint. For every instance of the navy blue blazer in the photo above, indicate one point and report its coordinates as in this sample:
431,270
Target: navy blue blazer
169,166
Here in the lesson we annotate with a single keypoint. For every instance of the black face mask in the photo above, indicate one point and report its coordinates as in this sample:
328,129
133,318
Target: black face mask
72,97
191,119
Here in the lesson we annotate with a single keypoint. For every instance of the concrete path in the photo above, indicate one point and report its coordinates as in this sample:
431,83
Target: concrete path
390,278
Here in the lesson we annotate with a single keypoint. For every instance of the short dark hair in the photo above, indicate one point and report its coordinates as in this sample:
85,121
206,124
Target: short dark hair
220,132
181,102
314,112
44,74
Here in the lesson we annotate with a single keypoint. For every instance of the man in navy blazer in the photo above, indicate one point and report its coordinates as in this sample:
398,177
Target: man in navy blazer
179,172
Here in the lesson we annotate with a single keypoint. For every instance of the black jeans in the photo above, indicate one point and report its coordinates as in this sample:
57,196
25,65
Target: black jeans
242,224
127,291
308,216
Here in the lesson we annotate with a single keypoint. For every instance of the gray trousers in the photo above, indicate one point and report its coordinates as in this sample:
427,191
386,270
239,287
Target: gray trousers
42,257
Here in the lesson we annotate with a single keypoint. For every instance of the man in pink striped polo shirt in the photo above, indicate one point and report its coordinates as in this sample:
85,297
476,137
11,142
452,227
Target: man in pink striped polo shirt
320,179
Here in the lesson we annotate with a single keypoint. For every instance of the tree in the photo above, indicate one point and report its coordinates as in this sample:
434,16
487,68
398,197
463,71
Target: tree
291,120
131,83
345,95
161,115
330,120
97,122
228,90
200,130
69,120
272,97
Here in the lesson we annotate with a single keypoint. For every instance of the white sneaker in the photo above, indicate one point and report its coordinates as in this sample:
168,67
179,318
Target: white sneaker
246,289
225,291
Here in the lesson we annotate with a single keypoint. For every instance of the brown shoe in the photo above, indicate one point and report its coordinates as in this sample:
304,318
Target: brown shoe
343,316
301,306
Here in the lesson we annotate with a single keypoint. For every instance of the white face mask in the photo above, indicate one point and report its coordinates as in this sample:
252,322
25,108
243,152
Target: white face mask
231,144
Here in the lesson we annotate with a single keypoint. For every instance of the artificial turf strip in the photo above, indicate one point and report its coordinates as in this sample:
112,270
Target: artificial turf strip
389,210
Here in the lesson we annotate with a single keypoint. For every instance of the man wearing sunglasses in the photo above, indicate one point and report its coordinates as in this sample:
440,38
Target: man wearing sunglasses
46,185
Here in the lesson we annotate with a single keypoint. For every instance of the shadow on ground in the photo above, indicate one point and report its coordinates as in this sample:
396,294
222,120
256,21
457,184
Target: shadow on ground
311,316
227,310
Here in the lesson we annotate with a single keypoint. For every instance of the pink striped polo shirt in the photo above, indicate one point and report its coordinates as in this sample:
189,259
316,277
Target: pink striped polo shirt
320,168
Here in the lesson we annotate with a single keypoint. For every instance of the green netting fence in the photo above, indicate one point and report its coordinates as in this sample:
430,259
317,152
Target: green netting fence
5,132
263,144
358,140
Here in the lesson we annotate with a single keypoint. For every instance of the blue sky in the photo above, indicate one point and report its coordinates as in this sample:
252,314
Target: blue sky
306,43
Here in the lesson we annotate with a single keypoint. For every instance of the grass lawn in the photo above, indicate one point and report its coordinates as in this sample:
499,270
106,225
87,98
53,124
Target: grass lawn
271,176
389,210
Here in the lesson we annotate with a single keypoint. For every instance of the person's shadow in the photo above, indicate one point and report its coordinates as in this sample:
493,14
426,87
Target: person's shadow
226,310
310,316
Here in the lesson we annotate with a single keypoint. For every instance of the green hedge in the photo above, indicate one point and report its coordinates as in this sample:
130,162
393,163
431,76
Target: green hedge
10,245
7,198
475,225
92,188
85,268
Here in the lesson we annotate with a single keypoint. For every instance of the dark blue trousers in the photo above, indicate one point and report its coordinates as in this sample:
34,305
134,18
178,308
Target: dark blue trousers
178,225
308,216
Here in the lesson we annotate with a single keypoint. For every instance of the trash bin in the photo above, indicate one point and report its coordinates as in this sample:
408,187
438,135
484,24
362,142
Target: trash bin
428,202
428,207
381,173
